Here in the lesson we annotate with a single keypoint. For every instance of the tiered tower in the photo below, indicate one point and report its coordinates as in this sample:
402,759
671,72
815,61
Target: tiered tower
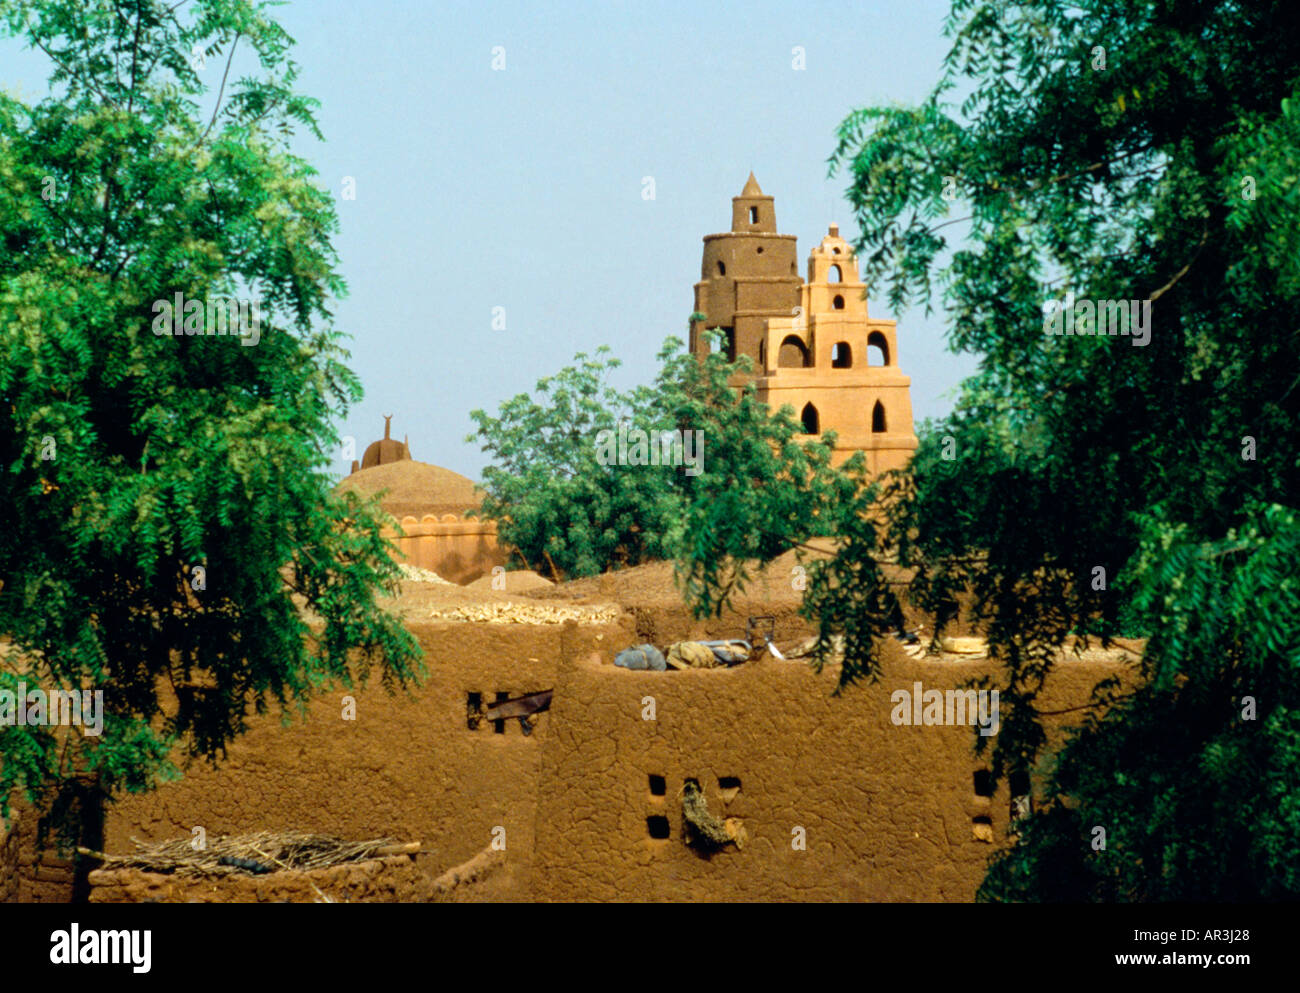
837,367
749,274
813,344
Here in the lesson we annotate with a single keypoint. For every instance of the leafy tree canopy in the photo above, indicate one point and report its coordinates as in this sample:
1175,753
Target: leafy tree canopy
168,517
570,488
1092,484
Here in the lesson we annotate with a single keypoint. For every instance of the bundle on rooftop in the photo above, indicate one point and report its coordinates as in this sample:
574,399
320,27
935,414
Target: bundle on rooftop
262,852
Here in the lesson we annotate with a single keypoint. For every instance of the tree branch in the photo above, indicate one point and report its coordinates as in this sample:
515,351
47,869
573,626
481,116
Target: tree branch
1205,235
135,51
58,62
221,91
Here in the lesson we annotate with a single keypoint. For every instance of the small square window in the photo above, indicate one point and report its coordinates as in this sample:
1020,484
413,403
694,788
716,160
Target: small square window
729,787
658,787
657,825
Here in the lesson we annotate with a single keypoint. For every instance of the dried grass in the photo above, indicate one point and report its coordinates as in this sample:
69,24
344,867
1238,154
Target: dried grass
519,613
249,854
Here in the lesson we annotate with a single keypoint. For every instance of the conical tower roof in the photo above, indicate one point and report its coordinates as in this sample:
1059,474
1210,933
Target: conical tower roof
752,188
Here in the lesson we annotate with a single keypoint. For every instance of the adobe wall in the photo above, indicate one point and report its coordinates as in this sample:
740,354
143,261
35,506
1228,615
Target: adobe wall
458,549
889,811
408,767
394,879
8,860
32,872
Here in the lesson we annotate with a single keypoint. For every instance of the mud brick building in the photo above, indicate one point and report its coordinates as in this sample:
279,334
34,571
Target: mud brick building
813,344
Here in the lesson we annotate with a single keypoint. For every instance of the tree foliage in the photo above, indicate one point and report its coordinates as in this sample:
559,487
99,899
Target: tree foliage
131,459
564,495
1131,152
553,499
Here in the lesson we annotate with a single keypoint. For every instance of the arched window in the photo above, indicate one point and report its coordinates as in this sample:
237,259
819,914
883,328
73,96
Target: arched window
722,268
753,215
841,355
810,420
793,354
878,419
834,275
727,345
877,347
838,302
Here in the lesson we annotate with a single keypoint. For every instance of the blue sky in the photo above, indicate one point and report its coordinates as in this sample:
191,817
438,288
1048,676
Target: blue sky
522,188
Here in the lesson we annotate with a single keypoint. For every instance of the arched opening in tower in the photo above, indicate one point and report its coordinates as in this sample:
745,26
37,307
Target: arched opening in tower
838,302
719,339
793,354
878,418
728,344
841,355
877,349
834,276
811,424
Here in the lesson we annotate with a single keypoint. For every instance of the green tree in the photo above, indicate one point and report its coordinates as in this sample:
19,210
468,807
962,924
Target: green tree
766,487
565,494
169,527
553,498
1144,152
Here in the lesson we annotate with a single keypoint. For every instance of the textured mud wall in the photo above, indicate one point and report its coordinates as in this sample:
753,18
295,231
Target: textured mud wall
34,872
888,812
396,879
8,861
407,767
458,549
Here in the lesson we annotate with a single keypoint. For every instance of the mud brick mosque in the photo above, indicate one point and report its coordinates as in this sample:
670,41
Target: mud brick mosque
583,799
812,343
